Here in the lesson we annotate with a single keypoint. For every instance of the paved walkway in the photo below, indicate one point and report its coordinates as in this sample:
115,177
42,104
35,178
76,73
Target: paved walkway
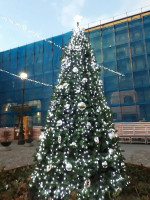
21,155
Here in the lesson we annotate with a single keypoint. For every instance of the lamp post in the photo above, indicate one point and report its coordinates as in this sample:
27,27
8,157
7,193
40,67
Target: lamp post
21,140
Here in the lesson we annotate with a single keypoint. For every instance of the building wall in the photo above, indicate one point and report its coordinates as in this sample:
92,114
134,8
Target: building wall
122,46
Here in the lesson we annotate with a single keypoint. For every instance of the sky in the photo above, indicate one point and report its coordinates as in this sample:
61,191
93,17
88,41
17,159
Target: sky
23,21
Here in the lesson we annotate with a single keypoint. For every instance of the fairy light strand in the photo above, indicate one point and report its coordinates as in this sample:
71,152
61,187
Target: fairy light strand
24,28
38,82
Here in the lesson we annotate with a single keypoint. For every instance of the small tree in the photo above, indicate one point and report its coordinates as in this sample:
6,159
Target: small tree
78,149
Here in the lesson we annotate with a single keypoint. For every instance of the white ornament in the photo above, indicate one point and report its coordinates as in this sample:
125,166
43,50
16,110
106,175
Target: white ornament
75,70
59,139
84,80
73,144
122,164
60,87
111,135
99,109
49,129
88,183
81,105
104,164
111,151
96,140
88,124
39,157
67,106
78,90
65,85
68,166
41,136
59,122
48,168
100,82
50,114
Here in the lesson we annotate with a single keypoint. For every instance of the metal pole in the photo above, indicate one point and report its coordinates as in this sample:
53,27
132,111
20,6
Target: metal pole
21,140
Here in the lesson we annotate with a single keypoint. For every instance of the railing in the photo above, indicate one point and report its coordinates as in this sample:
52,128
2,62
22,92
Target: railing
116,17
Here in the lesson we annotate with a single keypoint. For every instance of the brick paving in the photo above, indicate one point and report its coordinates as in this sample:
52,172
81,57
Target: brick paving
21,155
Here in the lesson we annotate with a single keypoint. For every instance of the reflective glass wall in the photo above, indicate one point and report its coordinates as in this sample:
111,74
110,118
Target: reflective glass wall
125,47
122,46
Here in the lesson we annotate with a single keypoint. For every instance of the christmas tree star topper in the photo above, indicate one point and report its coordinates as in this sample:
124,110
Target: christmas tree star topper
78,19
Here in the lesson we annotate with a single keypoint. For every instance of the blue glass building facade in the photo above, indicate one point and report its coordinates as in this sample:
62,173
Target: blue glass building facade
122,46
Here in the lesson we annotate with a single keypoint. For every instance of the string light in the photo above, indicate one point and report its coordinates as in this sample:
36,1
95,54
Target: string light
24,28
15,75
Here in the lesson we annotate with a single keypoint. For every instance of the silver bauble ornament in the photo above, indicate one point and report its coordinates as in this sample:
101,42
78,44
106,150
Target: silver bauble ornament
59,123
59,139
88,183
67,106
39,157
81,105
65,85
88,125
96,140
68,166
75,70
48,168
104,164
84,80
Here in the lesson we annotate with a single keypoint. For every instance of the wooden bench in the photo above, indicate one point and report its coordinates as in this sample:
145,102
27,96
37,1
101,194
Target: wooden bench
136,132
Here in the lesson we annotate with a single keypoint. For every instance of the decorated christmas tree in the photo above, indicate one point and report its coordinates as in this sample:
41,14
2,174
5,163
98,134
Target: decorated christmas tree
78,149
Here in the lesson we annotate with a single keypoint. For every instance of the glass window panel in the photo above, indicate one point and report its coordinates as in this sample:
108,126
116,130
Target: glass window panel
37,118
107,30
148,45
127,97
116,113
147,30
121,26
147,19
141,79
136,33
148,58
108,40
112,98
137,48
48,78
109,65
139,63
110,83
6,60
125,82
21,58
143,95
129,113
13,60
122,36
135,23
98,56
95,39
124,65
66,38
108,54
122,51
39,52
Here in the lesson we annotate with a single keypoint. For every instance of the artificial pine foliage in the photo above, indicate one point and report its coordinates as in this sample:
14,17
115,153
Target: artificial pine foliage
78,149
